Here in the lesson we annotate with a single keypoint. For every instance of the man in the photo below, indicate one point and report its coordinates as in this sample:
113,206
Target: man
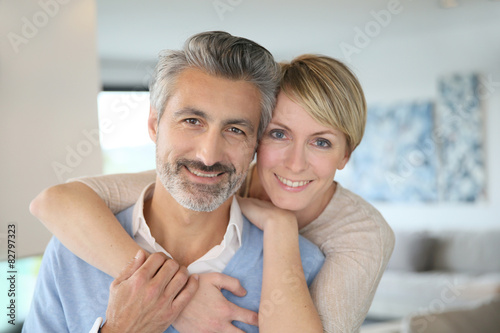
210,103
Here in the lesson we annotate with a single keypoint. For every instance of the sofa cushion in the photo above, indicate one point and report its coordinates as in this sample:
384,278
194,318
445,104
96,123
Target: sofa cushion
400,293
481,317
412,251
475,252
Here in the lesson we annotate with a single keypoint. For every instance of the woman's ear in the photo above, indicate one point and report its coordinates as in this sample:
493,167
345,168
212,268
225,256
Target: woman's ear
153,124
344,161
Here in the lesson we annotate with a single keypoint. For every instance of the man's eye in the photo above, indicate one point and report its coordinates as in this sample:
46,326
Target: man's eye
277,134
236,130
192,121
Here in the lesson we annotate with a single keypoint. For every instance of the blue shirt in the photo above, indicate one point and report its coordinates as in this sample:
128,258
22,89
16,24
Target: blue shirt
70,294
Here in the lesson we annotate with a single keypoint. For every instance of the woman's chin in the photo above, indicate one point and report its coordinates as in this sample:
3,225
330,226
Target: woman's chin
293,205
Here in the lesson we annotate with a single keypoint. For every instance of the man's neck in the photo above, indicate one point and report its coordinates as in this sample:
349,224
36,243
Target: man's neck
185,234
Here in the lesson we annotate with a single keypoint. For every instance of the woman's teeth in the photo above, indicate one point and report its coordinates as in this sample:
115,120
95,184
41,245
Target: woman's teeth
289,183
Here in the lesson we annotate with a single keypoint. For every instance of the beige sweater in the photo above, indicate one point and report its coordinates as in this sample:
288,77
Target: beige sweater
353,235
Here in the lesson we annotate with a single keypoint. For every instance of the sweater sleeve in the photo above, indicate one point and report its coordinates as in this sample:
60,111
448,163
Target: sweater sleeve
119,191
357,243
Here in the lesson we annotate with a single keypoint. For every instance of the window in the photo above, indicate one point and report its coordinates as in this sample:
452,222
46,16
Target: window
125,142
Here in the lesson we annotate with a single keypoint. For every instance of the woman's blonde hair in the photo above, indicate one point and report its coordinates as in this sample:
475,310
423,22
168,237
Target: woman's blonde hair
329,92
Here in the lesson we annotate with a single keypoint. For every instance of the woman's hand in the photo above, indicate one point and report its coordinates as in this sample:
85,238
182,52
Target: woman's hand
261,213
209,311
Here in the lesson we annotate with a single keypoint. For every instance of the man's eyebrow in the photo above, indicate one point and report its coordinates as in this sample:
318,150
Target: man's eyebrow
189,111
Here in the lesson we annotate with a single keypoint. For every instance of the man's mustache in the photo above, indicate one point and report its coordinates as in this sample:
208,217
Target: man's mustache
214,168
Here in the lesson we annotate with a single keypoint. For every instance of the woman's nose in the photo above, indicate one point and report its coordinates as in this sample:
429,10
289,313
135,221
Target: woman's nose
296,159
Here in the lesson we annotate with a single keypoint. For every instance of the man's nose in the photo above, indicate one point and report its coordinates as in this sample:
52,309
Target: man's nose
210,147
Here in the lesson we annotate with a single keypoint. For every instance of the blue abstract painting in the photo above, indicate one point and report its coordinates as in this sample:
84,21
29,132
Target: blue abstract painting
459,130
397,158
423,151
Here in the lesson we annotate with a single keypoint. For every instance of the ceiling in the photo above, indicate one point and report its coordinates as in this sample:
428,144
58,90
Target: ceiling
132,32
136,30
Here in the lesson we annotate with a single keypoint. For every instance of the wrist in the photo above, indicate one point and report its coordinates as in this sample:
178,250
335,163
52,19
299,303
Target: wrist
107,328
284,222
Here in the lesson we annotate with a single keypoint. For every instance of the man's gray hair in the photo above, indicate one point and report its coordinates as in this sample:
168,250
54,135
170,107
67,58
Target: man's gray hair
219,54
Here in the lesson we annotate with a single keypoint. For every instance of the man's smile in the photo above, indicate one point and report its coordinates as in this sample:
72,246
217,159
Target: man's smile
203,174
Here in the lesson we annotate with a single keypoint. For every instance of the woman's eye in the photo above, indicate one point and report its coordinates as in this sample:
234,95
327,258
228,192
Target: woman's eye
277,134
322,143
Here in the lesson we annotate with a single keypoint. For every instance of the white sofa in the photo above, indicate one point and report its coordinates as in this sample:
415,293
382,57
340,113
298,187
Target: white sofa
477,317
432,272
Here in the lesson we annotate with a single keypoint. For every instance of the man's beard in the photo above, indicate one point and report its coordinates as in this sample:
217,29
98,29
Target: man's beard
198,197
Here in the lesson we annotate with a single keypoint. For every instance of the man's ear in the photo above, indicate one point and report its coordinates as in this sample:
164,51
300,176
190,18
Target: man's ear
153,124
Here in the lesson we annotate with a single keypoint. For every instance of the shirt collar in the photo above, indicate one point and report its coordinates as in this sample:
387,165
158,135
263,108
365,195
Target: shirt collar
236,218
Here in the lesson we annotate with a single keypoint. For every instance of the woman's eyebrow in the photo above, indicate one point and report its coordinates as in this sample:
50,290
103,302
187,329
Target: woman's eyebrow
325,132
280,125
313,134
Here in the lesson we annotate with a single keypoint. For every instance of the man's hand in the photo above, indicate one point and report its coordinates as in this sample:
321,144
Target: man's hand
148,295
209,311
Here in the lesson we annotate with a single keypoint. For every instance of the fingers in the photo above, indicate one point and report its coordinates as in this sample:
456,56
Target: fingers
173,280
186,294
245,316
152,265
233,285
132,267
230,328
175,284
166,272
229,283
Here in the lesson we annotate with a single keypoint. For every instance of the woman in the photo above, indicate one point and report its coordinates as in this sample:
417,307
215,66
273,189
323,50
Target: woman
318,121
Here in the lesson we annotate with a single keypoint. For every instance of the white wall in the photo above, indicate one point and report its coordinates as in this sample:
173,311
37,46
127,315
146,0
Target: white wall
48,86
